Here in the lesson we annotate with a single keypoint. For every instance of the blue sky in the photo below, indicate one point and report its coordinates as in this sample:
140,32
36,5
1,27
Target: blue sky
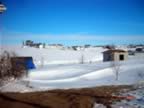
73,22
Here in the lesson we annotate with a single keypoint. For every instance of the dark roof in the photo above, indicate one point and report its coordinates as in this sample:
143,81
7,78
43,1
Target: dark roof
25,62
114,50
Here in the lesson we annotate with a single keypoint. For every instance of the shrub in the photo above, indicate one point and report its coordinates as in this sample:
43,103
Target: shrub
7,71
116,67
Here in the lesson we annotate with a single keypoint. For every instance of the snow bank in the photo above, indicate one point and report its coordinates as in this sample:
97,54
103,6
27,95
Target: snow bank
86,75
62,69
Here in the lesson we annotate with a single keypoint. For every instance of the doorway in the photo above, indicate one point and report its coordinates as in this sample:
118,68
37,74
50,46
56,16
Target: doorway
121,57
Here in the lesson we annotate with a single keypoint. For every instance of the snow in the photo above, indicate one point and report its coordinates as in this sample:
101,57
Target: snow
86,75
15,86
62,69
56,56
99,106
137,102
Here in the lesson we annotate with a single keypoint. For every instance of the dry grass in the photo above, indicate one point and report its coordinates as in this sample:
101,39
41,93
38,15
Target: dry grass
72,98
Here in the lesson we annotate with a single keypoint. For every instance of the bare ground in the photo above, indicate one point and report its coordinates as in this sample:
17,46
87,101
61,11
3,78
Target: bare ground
71,98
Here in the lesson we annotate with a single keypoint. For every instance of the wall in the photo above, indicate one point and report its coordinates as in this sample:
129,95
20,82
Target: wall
116,55
107,57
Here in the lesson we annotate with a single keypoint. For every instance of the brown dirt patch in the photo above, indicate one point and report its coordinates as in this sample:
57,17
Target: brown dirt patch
72,98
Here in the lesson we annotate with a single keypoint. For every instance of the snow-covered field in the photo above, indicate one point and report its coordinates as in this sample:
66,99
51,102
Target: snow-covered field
62,68
56,56
85,75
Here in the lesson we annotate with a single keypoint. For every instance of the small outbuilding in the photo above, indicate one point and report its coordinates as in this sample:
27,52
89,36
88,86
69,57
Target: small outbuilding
26,62
115,55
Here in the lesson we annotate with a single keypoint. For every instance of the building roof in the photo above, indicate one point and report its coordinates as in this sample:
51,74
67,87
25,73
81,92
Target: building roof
114,50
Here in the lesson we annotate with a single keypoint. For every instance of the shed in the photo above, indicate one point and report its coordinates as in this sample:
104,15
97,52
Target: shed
27,62
115,55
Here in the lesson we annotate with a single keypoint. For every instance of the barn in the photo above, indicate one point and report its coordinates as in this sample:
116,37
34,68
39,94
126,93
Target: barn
115,55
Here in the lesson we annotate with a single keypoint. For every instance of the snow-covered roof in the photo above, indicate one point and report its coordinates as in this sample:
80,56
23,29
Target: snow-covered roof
114,50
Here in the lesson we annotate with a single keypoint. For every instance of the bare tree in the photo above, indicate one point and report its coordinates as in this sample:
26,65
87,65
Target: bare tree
8,70
116,66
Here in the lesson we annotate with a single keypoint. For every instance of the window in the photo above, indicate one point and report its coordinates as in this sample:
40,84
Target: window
121,57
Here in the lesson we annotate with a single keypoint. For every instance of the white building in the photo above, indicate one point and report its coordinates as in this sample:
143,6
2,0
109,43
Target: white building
54,46
115,55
